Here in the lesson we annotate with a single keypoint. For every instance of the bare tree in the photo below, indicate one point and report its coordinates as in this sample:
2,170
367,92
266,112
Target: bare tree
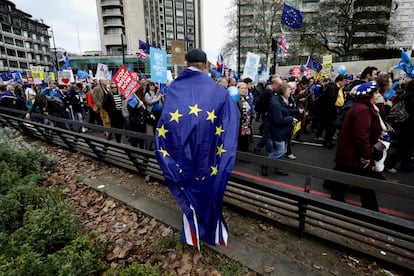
346,27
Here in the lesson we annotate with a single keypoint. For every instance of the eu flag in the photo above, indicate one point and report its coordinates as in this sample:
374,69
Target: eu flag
195,145
291,17
314,64
405,64
144,46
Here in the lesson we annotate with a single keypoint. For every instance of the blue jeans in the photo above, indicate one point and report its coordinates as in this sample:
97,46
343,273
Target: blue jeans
279,150
265,141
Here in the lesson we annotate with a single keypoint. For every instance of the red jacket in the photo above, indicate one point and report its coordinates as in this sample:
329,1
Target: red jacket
360,131
89,100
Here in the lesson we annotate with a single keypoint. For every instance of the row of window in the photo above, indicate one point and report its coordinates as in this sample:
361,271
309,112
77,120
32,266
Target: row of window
26,44
25,34
21,54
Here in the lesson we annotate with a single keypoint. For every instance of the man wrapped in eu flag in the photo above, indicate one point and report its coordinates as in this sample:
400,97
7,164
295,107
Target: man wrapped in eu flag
196,142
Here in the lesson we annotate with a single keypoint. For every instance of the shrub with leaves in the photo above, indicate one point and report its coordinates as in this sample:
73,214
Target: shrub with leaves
83,256
14,204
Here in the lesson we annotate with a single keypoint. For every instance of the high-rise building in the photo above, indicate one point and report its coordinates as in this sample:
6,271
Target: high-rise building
402,20
24,41
125,22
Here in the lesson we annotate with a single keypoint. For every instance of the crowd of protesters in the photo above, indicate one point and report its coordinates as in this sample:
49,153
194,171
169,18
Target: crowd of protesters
370,117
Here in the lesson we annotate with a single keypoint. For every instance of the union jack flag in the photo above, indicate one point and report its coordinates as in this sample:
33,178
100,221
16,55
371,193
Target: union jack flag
220,64
283,44
141,54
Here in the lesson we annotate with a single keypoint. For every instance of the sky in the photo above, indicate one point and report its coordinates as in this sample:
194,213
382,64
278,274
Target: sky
75,24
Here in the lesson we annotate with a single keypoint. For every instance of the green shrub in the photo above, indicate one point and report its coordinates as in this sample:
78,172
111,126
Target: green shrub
83,256
8,177
28,262
49,228
134,269
167,243
230,268
14,204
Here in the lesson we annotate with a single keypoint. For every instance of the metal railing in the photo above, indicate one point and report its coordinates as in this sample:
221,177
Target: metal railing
380,235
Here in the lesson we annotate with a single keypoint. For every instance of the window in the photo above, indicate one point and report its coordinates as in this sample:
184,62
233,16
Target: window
11,52
28,45
190,7
179,5
179,12
19,43
42,39
168,20
8,40
180,36
180,29
29,56
37,57
190,14
36,47
168,12
45,58
21,54
25,34
190,22
23,65
34,36
14,64
6,28
180,21
169,28
170,35
44,49
17,31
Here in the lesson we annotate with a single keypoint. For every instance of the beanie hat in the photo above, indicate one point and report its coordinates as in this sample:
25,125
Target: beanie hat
366,88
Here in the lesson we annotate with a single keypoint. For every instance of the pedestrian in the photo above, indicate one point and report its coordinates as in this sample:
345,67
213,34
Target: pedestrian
196,143
359,144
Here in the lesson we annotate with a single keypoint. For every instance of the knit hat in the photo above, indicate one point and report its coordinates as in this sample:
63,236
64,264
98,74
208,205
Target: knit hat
366,88
196,55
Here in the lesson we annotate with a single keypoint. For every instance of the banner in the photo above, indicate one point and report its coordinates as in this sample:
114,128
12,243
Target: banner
296,73
101,71
251,66
38,72
326,66
158,59
177,52
125,82
65,77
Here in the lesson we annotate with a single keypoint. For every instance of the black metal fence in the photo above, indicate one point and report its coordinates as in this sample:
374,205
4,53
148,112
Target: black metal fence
381,235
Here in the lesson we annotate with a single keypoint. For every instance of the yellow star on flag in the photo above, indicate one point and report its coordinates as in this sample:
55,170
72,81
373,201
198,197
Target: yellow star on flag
175,116
211,116
219,130
220,150
162,131
214,170
164,152
194,110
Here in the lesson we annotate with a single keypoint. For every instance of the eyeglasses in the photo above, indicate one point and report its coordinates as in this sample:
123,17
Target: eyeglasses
112,87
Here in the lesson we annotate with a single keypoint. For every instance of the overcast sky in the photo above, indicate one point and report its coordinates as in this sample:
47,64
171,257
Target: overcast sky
70,17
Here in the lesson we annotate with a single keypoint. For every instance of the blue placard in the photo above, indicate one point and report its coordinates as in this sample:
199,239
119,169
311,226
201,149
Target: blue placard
158,60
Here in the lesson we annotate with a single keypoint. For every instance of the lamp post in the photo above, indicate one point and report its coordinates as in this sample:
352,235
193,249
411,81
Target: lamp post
238,38
123,50
54,47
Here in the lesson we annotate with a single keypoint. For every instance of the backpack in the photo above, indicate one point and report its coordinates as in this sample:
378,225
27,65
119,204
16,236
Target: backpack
55,103
398,113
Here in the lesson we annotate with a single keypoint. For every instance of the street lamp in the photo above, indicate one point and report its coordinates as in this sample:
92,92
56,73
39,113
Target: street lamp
123,50
55,50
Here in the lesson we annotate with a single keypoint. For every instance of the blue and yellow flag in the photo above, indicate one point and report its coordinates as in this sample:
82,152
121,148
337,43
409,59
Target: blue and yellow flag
196,142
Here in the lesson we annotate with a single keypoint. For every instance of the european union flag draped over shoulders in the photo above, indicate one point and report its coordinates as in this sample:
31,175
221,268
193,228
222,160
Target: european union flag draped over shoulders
291,17
196,142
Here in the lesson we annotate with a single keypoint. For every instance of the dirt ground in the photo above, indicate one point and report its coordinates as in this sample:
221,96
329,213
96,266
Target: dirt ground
134,236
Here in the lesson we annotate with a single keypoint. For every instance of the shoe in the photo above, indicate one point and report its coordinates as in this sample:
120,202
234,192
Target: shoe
263,170
391,170
109,137
320,139
291,156
328,145
280,172
84,129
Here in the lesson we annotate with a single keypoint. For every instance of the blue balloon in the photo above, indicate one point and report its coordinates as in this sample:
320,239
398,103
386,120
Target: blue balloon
234,93
342,70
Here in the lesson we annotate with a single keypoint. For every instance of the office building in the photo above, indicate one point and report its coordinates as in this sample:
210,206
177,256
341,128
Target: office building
123,22
24,41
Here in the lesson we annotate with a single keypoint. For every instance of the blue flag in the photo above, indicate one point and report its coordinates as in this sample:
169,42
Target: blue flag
195,145
66,65
314,64
405,64
144,46
82,74
187,38
291,17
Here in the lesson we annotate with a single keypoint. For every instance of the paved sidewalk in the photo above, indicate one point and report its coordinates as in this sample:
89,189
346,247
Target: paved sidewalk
251,254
